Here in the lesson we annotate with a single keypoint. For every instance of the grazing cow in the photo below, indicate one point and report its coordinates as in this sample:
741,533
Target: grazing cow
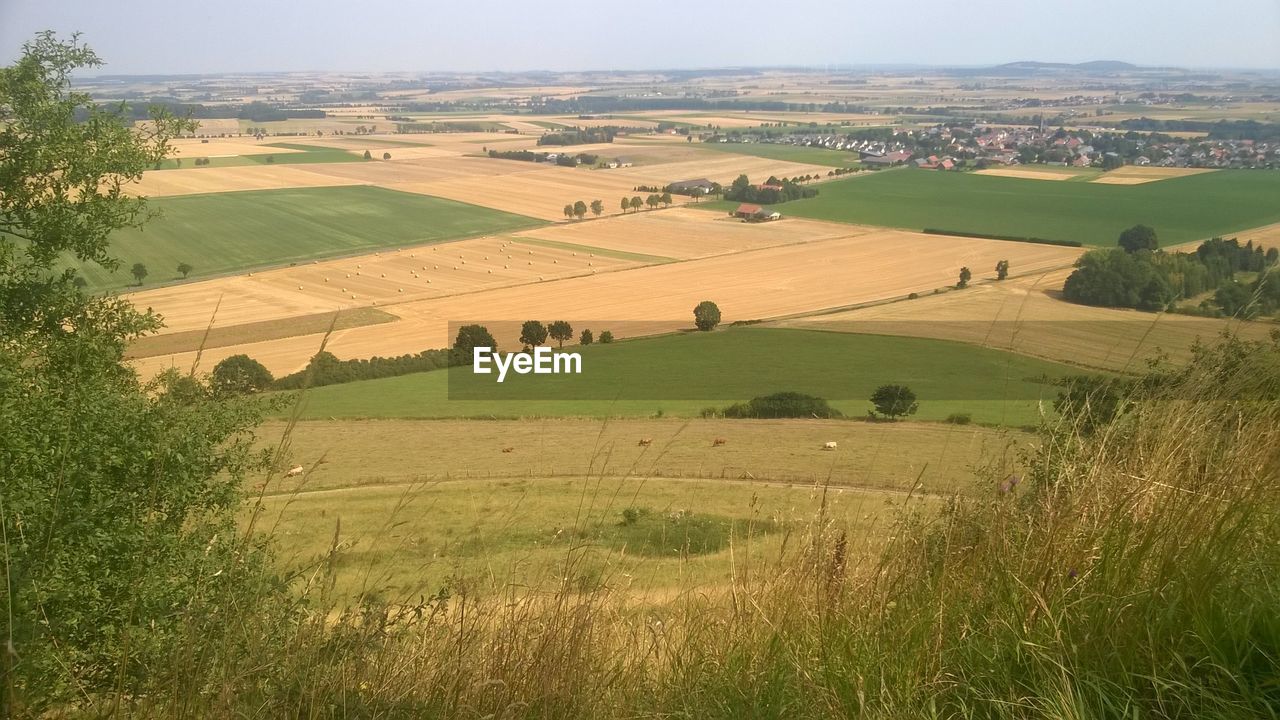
508,449
645,442
718,442
294,471
829,446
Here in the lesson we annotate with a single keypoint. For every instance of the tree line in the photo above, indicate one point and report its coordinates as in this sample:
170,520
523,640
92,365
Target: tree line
1138,275
771,192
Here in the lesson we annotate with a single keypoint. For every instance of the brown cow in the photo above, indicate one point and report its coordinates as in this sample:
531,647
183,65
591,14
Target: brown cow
718,442
645,442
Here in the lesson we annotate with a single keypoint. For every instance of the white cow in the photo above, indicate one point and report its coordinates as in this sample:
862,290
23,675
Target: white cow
829,445
294,471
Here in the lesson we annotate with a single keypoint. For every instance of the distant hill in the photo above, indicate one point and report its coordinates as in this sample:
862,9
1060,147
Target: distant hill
1031,67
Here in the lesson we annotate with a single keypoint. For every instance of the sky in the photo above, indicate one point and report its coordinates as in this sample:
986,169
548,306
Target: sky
167,37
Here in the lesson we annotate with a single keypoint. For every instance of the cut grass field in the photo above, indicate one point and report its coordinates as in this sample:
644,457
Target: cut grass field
680,375
251,332
229,232
420,501
789,153
1181,209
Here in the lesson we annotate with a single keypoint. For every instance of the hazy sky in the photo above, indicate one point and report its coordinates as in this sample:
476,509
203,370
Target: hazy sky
168,36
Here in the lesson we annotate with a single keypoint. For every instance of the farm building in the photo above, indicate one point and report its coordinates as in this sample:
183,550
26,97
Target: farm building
755,213
687,187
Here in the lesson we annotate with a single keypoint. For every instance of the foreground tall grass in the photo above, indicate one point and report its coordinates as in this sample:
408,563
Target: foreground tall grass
1128,568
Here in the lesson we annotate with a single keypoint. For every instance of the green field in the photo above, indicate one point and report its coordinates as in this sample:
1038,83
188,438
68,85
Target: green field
221,233
309,154
1181,209
679,375
788,153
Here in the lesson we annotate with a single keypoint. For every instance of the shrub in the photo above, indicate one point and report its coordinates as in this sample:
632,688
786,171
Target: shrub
783,405
959,418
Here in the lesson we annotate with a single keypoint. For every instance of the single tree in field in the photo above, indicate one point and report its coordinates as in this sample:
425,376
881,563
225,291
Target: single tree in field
606,337
586,338
469,338
706,316
579,209
1139,237
636,202
965,276
560,330
368,155
184,269
532,334
239,375
666,199
597,207
626,204
652,201
894,401
1002,269
568,211
138,271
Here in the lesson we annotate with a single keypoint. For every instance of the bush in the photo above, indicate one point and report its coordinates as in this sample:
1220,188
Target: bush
959,418
782,405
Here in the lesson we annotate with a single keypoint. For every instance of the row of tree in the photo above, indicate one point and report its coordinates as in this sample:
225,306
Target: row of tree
634,203
579,209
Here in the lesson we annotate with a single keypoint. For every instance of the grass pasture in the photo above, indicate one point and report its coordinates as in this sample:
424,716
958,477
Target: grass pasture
421,501
229,232
680,375
1181,209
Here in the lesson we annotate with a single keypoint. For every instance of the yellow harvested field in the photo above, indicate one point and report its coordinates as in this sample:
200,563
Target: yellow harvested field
1029,173
229,126
225,147
687,233
420,170
722,168
1268,236
190,181
1026,315
1135,175
382,279
541,191
821,274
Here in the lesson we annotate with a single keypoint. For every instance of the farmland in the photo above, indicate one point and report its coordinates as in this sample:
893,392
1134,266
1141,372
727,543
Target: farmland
269,154
844,269
680,375
1181,209
1025,315
790,153
466,508
228,232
